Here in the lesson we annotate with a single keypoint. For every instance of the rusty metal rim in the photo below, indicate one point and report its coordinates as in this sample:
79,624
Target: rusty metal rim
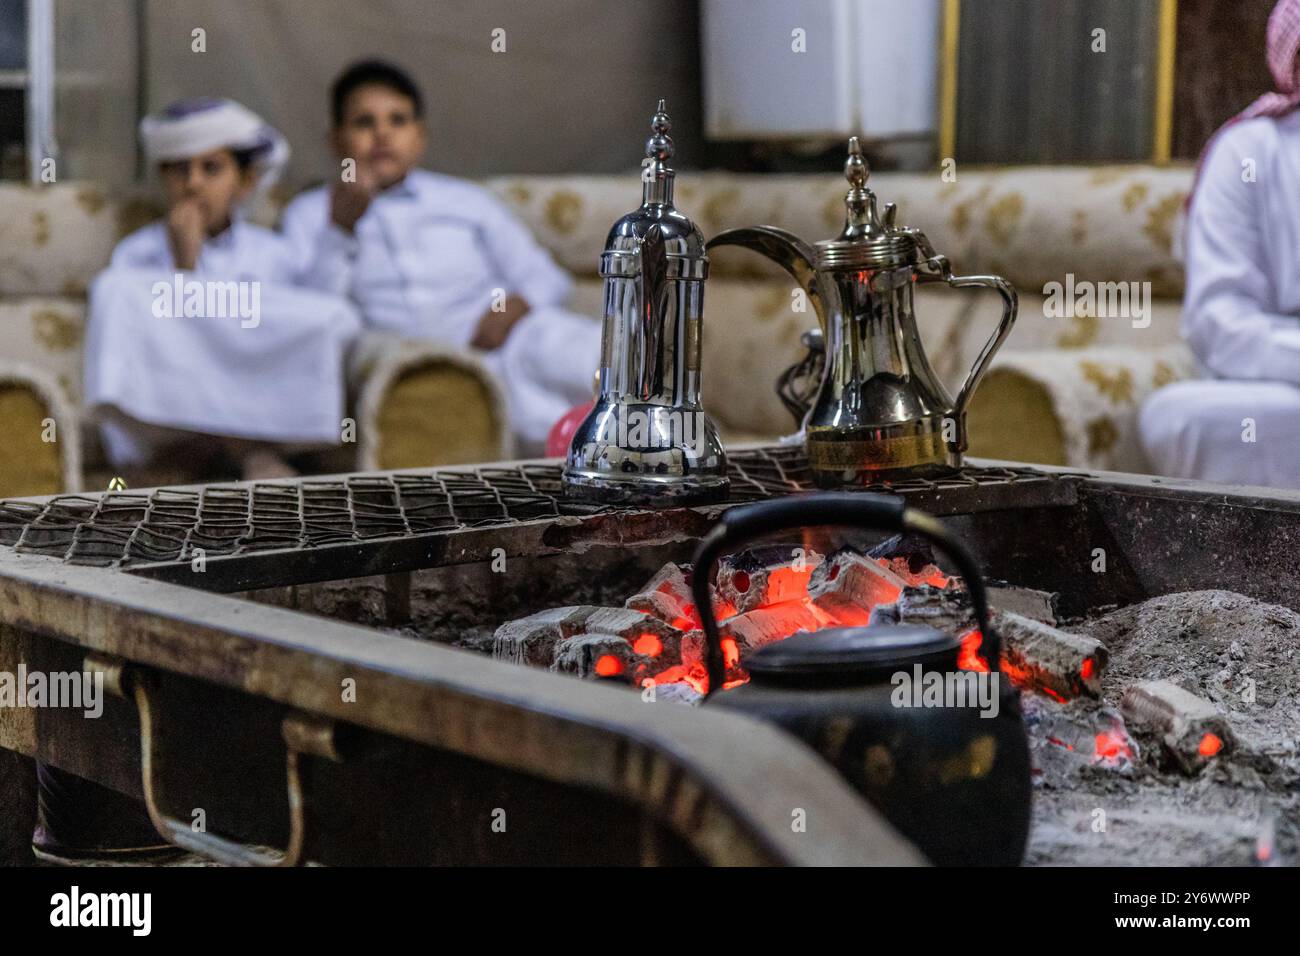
725,783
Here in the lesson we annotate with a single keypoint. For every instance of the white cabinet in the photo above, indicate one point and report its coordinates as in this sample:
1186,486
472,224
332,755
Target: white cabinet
786,69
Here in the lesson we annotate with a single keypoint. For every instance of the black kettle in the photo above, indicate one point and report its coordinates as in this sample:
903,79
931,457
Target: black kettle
950,772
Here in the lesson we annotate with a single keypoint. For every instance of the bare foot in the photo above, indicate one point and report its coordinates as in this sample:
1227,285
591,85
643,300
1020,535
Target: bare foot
260,464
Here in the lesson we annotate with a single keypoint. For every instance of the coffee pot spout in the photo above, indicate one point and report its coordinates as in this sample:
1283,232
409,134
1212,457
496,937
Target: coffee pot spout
788,251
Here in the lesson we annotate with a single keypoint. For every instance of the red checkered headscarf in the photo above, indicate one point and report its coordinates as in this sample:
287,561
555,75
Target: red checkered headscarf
1283,45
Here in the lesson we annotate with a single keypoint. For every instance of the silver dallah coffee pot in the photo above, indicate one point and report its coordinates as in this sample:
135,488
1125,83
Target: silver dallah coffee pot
871,406
647,440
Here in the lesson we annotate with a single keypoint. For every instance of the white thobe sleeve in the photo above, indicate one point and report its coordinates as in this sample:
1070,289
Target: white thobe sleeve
527,269
326,253
1227,317
145,248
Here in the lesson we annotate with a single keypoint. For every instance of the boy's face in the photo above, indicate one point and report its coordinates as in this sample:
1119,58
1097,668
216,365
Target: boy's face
381,132
212,180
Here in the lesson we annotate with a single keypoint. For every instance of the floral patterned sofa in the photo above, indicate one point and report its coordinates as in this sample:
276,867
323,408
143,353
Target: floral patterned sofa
1065,390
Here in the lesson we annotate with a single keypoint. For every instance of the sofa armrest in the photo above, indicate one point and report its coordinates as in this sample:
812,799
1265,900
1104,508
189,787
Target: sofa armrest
420,404
40,434
1072,407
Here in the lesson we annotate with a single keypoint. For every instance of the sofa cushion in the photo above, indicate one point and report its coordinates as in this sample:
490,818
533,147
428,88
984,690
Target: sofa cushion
46,332
53,239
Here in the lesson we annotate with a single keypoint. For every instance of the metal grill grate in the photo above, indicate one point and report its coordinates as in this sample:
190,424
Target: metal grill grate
123,528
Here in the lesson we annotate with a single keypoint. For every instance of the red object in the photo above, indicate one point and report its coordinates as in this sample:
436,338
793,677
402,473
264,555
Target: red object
969,657
1210,745
561,433
607,665
648,645
730,652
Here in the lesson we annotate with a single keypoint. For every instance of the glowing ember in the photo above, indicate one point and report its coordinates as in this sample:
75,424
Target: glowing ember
1211,744
929,574
969,657
1088,668
1111,748
607,665
730,652
648,645
691,676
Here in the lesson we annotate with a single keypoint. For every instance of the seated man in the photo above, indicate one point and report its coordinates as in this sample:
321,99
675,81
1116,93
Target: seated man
428,256
1241,314
199,349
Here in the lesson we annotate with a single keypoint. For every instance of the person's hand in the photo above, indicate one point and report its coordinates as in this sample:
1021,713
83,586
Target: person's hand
494,327
185,233
349,201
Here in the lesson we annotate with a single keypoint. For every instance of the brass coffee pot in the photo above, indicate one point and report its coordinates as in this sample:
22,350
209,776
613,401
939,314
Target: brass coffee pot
879,410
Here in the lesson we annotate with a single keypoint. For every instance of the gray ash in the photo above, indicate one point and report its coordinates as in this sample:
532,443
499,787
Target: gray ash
1240,654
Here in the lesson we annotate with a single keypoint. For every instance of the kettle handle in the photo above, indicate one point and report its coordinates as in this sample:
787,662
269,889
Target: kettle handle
743,524
1010,305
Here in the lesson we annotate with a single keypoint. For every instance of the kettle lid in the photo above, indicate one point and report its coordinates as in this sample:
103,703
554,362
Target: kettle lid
869,240
846,654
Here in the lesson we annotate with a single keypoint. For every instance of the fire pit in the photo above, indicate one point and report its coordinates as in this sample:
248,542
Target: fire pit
500,640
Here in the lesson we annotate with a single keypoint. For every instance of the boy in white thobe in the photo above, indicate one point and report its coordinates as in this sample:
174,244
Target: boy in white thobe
1241,313
429,256
199,347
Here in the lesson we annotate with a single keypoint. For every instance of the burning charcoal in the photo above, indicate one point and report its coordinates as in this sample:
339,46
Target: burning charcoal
693,676
848,585
1066,737
767,575
600,655
1027,602
914,548
532,639
928,574
668,597
911,557
676,692
944,609
1191,729
767,625
1046,659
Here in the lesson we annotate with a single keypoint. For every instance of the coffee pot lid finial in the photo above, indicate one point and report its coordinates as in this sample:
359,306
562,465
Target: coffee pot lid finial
856,169
657,176
660,146
868,240
860,219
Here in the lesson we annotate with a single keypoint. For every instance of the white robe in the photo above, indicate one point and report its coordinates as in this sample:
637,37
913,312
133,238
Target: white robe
266,366
1241,316
428,259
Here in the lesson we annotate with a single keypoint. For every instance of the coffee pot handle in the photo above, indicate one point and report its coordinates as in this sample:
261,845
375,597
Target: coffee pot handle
1010,304
653,261
740,525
